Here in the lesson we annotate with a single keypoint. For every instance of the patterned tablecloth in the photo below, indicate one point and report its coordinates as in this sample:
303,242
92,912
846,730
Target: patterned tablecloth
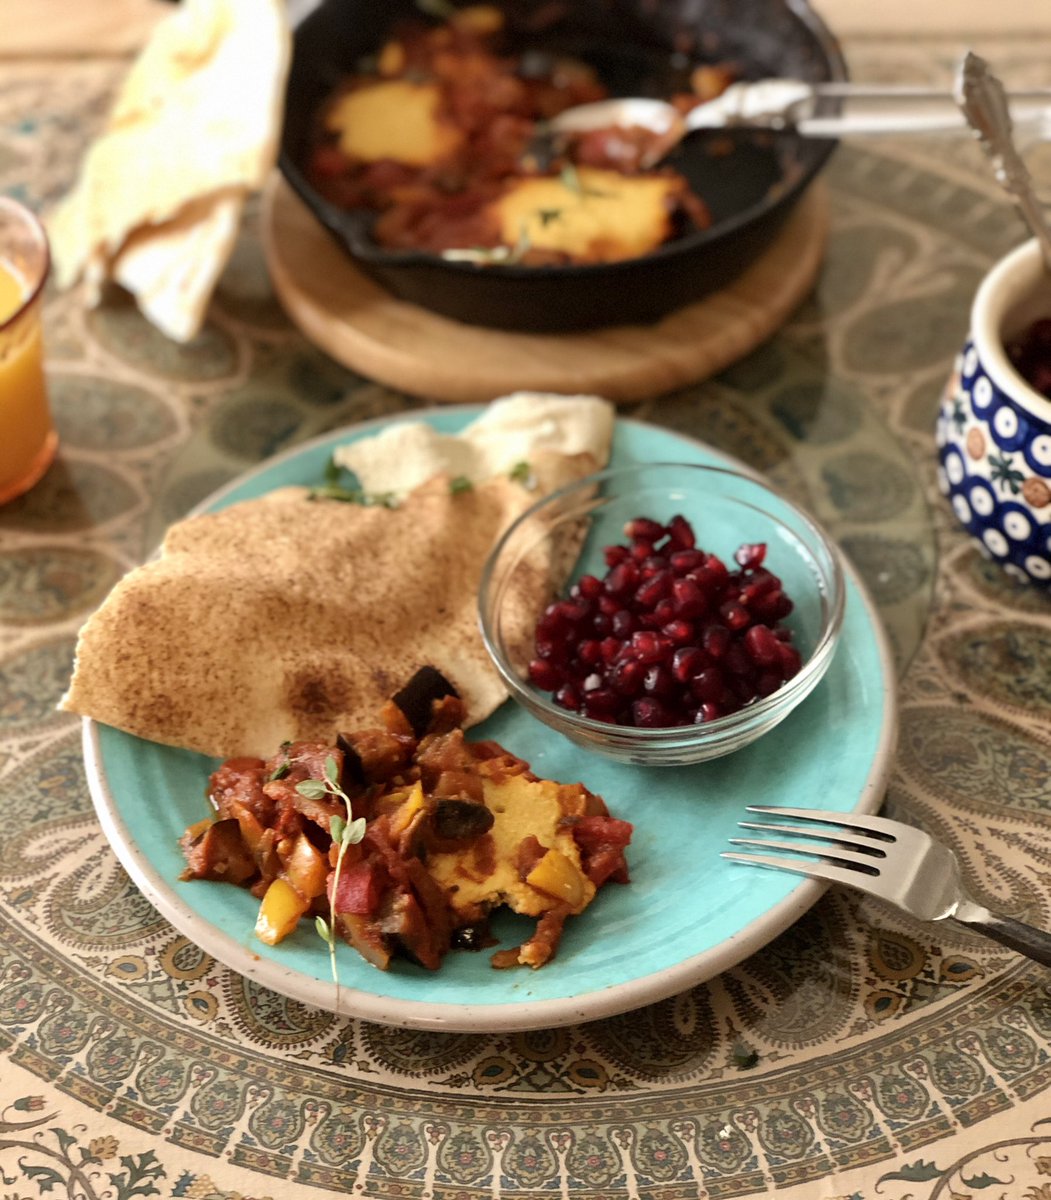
881,1058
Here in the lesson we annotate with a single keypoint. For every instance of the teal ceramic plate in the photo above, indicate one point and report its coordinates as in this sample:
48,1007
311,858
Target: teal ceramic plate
687,913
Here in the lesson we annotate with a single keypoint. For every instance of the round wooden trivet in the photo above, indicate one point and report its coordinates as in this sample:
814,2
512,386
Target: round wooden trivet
405,347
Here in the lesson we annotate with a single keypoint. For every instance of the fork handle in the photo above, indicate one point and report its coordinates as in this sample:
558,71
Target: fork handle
1026,939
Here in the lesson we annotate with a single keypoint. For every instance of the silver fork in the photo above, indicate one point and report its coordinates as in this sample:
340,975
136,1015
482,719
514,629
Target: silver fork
886,859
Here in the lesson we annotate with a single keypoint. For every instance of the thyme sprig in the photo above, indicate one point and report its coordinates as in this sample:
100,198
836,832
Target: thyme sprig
342,484
344,832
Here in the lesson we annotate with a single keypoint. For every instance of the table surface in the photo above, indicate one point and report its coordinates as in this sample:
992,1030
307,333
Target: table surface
887,1058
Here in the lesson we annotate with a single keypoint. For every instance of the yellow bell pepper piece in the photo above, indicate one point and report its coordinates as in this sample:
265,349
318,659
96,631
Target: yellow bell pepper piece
559,877
279,912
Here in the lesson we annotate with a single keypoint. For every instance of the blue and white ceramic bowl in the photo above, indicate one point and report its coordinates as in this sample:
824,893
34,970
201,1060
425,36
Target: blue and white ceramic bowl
994,430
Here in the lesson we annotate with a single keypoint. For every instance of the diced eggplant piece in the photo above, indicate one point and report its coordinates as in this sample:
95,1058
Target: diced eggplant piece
419,694
461,820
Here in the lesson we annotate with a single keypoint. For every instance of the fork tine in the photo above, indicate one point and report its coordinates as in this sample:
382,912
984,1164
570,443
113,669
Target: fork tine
856,862
821,835
812,870
875,827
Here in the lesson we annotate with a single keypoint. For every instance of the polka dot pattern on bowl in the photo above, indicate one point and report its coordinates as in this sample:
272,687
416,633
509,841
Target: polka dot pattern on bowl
995,467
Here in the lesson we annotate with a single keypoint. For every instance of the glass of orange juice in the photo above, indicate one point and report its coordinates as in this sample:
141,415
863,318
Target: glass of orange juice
27,437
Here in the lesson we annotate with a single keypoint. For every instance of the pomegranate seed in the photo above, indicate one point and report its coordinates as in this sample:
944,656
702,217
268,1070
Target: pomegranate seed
622,579
751,554
680,531
790,660
608,605
767,683
761,645
650,713
568,696
658,681
667,610
654,590
590,652
647,646
644,527
601,625
736,661
544,675
640,551
715,640
652,565
623,623
589,586
708,712
687,662
575,611
690,601
709,686
685,560
611,648
615,554
680,632
627,677
601,703
760,584
734,614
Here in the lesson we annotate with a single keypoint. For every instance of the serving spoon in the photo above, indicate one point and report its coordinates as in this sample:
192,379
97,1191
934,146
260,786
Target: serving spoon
983,103
791,106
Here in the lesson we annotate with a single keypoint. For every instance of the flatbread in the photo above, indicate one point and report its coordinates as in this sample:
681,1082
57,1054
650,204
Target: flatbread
284,618
193,129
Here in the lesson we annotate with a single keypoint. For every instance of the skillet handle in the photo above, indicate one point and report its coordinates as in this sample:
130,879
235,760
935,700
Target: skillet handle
1026,939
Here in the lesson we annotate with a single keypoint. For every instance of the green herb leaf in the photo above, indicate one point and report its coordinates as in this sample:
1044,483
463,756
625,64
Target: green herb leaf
522,473
354,832
331,770
547,215
331,491
323,930
279,772
460,484
332,470
336,828
312,789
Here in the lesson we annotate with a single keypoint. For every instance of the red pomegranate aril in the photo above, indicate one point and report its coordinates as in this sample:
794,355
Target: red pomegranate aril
544,674
678,631
647,646
736,660
751,554
644,527
651,620
601,700
687,662
760,583
667,610
640,551
768,683
690,601
575,611
590,652
682,561
589,586
615,554
612,648
680,531
658,681
761,646
709,686
622,579
654,590
568,697
650,713
608,605
652,566
708,712
735,615
623,623
715,641
791,660
628,677
601,625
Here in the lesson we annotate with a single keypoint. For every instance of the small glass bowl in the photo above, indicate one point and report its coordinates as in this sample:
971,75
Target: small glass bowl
563,536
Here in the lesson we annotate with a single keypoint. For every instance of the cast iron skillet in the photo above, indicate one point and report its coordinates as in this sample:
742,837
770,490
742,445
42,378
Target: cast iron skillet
639,47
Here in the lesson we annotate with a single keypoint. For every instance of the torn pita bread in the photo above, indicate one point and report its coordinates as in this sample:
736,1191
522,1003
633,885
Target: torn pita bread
285,618
194,128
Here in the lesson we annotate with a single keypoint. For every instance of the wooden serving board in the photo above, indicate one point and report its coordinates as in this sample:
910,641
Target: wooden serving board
416,351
